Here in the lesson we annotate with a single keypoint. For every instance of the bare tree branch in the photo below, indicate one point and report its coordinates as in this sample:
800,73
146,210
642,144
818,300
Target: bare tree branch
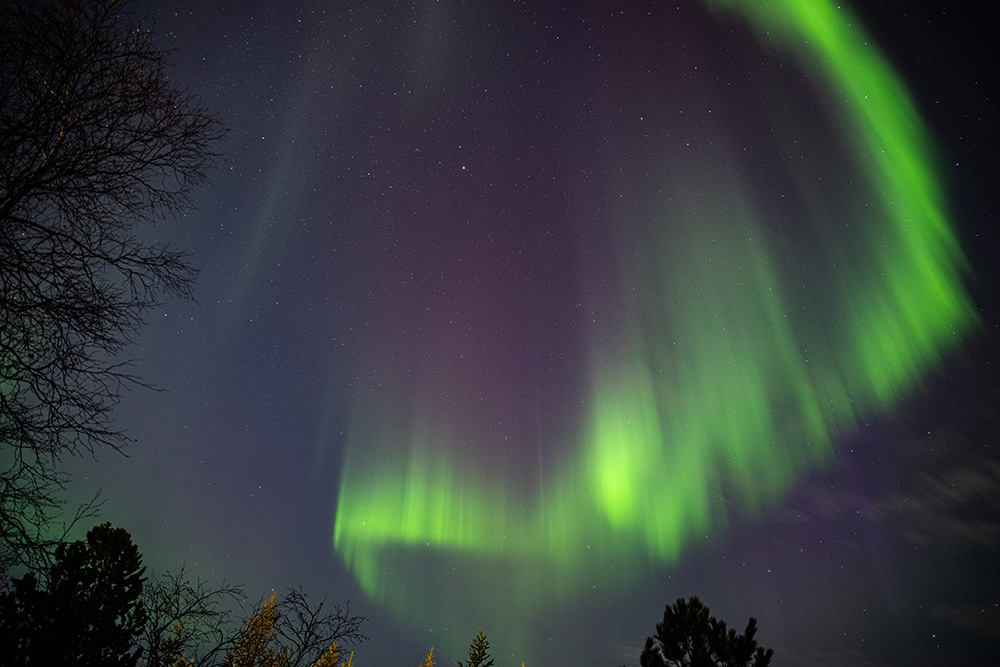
96,143
187,619
197,622
306,631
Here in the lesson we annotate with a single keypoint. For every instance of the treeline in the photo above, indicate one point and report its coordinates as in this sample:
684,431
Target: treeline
95,607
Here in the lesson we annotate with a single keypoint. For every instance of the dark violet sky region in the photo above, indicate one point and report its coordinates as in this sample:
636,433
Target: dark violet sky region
536,316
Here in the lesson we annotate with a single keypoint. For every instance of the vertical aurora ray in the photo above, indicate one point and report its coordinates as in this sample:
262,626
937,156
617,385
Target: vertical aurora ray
727,371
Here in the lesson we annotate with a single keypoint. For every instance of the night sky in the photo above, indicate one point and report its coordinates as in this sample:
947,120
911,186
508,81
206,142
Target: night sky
536,316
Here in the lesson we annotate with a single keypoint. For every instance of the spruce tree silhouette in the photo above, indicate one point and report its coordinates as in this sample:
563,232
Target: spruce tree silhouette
479,652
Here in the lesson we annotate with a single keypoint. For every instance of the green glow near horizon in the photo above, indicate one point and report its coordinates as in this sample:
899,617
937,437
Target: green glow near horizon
718,393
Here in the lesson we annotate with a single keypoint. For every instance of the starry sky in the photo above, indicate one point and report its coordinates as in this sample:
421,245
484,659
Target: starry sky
536,316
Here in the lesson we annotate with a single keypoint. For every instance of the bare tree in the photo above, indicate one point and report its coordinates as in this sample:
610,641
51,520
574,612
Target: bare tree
32,520
96,143
306,631
192,620
186,618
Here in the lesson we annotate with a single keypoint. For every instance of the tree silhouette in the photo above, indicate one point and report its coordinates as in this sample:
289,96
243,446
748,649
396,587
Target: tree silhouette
88,614
290,632
198,622
186,618
96,143
306,630
479,652
689,637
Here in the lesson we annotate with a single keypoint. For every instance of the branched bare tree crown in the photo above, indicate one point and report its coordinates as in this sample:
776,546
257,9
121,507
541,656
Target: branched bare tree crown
96,143
193,620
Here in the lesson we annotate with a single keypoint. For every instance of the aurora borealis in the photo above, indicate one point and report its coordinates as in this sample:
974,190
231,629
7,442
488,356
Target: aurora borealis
536,316
725,372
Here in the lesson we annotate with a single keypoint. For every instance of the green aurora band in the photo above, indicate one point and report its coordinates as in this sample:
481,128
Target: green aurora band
716,390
